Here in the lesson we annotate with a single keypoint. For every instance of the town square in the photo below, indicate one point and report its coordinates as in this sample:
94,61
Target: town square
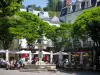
44,37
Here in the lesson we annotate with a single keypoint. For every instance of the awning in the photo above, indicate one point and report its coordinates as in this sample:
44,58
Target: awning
22,52
43,52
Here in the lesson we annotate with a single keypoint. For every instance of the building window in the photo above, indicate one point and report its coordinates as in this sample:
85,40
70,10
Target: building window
87,4
77,6
98,4
68,10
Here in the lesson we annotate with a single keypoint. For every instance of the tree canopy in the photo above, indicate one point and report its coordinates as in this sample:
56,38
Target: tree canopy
88,24
38,8
54,5
30,27
60,35
8,9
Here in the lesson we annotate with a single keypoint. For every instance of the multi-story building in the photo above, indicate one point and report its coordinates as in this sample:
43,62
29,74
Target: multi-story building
53,21
71,9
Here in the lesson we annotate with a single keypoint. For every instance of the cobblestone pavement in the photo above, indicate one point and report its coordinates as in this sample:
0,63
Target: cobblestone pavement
16,72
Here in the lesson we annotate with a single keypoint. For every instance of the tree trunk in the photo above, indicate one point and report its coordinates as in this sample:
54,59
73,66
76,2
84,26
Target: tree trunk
97,56
92,57
96,60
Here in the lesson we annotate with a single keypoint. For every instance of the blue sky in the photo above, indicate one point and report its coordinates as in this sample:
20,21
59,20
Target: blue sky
73,0
41,3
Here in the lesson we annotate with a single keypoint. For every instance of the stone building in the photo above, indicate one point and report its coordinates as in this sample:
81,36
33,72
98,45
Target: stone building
70,11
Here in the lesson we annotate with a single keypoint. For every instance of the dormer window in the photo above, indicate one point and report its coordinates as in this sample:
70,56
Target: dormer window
98,4
73,8
63,12
38,14
30,10
93,2
82,5
41,12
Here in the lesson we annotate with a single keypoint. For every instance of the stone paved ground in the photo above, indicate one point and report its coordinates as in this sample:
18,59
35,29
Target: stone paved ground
16,72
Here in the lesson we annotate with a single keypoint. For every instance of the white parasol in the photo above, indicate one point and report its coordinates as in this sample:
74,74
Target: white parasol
63,53
22,52
37,52
2,51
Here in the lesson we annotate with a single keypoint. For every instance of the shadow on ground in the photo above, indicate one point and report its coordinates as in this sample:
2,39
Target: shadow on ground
80,72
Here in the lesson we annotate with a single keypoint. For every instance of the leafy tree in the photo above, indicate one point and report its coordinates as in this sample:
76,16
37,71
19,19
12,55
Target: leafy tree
54,5
38,8
27,28
8,9
45,9
88,25
60,35
30,27
64,33
52,34
51,13
59,5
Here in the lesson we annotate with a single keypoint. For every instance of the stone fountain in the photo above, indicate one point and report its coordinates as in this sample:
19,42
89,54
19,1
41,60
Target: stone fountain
41,65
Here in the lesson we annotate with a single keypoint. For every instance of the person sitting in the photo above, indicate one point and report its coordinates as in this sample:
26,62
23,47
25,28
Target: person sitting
46,62
11,64
20,63
15,64
7,65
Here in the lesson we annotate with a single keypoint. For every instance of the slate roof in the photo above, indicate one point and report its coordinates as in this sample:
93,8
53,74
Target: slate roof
55,19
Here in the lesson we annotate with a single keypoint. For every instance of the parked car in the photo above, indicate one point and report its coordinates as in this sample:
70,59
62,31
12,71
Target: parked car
2,63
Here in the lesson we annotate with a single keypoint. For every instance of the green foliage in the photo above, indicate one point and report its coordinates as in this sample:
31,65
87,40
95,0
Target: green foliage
53,13
45,8
30,27
27,26
54,5
64,33
60,35
8,9
38,8
88,24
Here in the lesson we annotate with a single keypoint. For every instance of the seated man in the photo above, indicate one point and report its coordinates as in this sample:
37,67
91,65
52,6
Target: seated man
20,62
12,64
